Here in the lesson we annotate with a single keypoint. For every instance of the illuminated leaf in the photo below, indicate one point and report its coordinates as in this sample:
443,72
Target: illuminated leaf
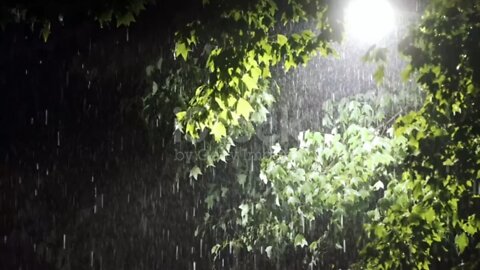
300,241
379,185
195,172
181,49
268,250
181,115
276,148
461,241
429,215
244,108
218,131
281,39
250,82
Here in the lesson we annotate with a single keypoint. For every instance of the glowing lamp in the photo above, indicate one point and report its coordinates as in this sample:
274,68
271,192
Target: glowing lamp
369,21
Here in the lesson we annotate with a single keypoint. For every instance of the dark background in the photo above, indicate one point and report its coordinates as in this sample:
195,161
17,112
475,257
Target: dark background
77,159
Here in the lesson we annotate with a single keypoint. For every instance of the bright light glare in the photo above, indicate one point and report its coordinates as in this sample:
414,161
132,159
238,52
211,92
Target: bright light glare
369,20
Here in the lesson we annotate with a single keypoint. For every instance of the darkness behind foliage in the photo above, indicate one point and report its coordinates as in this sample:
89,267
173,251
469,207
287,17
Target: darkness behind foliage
76,159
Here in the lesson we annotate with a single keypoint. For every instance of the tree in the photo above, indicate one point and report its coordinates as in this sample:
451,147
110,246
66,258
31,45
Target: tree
314,199
44,15
426,218
429,217
235,45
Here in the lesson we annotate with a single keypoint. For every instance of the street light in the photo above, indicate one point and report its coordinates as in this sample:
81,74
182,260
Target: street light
369,21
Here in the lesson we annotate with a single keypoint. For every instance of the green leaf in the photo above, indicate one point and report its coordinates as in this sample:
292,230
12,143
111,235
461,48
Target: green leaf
461,241
242,178
181,115
250,82
220,103
268,250
195,172
210,201
276,148
125,19
218,131
263,177
379,185
244,212
105,17
244,108
429,215
191,130
300,241
181,49
45,31
281,39
216,249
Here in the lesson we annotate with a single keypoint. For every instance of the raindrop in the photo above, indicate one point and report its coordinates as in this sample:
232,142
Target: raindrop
64,241
303,225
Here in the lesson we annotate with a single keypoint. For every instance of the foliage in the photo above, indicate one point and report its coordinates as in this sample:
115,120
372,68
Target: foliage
314,198
122,12
237,45
429,217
